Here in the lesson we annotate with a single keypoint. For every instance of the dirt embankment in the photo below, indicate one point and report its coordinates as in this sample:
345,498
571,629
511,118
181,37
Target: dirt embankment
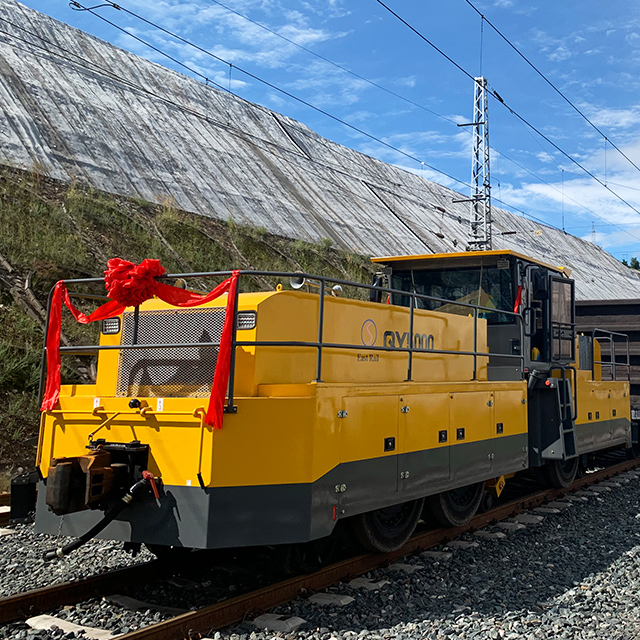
50,230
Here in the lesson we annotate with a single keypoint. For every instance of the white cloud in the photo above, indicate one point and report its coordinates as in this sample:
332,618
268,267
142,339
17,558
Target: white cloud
409,81
559,54
617,118
236,39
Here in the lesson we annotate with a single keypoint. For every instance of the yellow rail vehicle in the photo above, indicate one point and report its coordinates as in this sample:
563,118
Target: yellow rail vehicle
459,370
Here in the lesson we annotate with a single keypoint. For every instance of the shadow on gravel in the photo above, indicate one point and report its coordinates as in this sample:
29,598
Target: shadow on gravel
544,568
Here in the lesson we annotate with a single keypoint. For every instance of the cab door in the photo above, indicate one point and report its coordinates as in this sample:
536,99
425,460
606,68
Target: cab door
550,318
563,332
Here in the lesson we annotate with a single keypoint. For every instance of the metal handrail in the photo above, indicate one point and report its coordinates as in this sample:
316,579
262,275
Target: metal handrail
320,344
561,337
610,336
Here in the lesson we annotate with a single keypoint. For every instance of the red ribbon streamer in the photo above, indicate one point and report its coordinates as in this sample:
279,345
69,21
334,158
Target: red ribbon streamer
129,285
518,302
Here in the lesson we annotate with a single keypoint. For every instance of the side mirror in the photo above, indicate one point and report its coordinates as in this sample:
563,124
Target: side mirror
377,281
540,284
540,294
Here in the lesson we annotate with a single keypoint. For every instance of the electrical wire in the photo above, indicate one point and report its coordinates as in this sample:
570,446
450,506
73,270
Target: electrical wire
553,86
202,50
84,63
512,111
232,130
393,93
247,137
93,67
334,64
258,79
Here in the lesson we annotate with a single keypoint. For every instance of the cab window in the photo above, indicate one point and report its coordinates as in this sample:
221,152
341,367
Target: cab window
486,286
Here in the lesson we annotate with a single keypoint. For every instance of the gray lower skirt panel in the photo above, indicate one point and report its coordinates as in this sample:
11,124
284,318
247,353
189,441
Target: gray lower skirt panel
223,517
594,436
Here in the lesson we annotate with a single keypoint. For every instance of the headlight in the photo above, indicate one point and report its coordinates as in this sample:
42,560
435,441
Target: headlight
247,320
111,326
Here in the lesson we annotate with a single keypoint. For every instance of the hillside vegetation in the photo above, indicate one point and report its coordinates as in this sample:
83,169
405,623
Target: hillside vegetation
50,230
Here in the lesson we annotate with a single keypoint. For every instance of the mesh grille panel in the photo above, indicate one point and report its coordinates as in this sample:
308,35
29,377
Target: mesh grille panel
174,372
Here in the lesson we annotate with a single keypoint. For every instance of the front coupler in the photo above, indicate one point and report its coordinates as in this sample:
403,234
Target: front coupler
89,481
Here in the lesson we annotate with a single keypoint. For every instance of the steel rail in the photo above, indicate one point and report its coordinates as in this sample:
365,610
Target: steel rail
222,614
30,603
236,609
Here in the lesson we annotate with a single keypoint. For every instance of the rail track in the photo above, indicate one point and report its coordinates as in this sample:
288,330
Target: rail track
235,609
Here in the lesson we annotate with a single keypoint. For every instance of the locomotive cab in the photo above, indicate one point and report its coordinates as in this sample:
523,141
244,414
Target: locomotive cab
529,307
536,300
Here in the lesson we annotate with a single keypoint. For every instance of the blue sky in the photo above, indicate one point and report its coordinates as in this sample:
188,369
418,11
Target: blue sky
588,49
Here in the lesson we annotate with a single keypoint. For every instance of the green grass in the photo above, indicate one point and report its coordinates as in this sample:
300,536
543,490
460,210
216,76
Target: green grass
53,231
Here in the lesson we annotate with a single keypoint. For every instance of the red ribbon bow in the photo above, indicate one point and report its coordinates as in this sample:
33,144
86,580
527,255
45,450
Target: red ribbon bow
129,285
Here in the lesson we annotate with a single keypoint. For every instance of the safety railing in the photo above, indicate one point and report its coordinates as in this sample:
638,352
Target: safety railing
563,341
320,344
612,338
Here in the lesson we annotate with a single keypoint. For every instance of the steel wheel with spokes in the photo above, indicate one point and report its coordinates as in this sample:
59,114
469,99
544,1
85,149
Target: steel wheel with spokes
560,474
387,529
456,507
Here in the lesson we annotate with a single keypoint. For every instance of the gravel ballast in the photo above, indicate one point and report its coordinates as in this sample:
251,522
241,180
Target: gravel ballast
575,574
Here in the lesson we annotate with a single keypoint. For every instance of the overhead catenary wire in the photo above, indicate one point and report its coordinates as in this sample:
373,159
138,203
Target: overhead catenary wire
513,112
72,56
257,78
201,49
94,68
91,66
551,84
108,73
119,7
377,85
399,96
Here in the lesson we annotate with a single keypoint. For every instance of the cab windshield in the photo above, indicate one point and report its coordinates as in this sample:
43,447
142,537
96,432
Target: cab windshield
486,286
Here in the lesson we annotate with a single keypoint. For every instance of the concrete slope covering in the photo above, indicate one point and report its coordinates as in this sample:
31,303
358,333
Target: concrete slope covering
77,108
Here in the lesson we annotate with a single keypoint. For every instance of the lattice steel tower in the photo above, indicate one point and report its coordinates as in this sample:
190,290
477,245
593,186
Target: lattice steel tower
480,222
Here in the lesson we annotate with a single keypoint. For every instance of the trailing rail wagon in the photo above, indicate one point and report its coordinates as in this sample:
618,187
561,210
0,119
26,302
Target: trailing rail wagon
417,395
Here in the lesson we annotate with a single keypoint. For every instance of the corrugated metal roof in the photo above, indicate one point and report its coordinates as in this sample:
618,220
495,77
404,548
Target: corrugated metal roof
82,109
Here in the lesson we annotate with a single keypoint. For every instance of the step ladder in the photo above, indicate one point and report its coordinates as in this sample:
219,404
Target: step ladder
568,418
563,446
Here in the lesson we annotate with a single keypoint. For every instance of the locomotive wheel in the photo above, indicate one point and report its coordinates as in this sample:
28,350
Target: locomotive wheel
456,507
385,530
307,557
560,474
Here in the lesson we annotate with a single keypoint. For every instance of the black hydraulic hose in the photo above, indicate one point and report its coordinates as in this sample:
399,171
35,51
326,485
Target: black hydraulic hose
126,499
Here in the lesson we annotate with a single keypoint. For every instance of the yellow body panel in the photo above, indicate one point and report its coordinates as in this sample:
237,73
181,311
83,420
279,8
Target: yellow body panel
362,324
285,439
511,410
287,428
428,415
